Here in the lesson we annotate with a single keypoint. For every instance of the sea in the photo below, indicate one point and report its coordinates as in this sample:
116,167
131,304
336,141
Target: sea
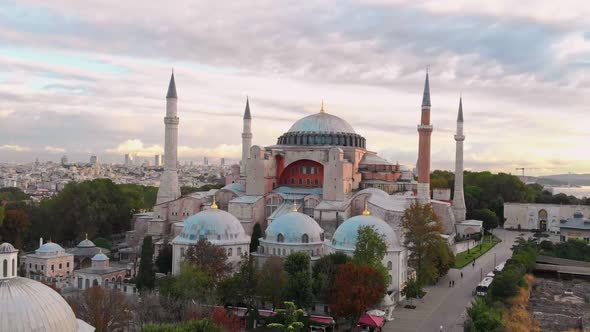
579,192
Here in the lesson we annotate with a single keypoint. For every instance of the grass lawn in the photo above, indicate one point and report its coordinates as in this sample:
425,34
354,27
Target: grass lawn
464,258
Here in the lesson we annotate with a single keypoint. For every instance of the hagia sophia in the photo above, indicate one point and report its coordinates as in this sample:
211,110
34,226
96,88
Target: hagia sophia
310,191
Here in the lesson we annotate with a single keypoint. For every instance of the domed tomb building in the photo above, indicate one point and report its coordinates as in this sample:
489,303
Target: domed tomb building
84,252
216,226
100,273
50,263
29,306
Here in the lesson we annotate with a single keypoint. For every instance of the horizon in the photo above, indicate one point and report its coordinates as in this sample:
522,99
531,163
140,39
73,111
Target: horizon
82,80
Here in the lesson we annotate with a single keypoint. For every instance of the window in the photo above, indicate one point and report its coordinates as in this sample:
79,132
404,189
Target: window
389,265
284,252
60,266
229,252
316,182
303,170
308,182
293,171
181,252
280,238
300,181
35,266
30,265
42,267
5,268
68,264
274,251
390,280
272,203
305,238
292,181
239,251
52,267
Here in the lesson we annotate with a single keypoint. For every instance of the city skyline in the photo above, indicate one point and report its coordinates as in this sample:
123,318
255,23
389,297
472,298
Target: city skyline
73,86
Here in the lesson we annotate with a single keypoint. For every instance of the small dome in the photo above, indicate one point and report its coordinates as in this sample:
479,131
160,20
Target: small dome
292,227
578,214
100,257
28,305
86,244
7,248
50,248
346,235
322,123
213,225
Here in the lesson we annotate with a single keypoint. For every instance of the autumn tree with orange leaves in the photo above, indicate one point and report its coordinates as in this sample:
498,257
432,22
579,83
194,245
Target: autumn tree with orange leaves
105,309
356,288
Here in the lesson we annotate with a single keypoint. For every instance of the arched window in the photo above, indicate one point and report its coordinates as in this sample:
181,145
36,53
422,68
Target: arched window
308,182
87,284
261,249
300,181
305,238
229,252
284,252
13,267
280,238
274,251
5,268
390,280
389,265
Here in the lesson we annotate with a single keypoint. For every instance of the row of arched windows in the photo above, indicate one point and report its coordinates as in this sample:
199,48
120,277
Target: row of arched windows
5,268
304,238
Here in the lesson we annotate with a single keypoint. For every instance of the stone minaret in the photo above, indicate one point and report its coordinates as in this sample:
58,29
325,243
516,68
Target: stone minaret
424,132
246,138
169,189
458,197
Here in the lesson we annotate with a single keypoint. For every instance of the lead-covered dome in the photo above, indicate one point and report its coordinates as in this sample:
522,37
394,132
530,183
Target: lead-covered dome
213,225
346,234
322,129
7,248
294,227
50,248
322,123
27,305
86,244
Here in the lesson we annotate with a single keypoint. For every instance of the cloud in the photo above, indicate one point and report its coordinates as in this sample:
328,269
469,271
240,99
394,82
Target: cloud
12,147
136,146
53,149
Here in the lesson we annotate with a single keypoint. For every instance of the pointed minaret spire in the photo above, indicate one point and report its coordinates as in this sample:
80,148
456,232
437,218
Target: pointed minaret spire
426,94
460,115
247,114
172,87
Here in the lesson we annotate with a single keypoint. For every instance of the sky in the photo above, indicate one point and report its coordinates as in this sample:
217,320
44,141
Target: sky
85,78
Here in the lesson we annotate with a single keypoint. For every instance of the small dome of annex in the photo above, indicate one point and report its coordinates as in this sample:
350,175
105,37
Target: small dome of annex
322,123
214,225
50,248
294,227
86,244
7,248
28,305
346,234
100,257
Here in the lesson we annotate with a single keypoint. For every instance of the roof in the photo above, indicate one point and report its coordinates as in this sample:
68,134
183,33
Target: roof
100,271
346,234
246,199
460,115
50,248
236,188
292,226
214,225
100,257
86,244
322,123
577,222
374,159
247,115
371,320
172,88
28,305
426,95
471,222
7,248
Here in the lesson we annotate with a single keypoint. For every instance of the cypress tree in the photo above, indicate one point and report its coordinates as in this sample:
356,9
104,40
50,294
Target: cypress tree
256,234
146,275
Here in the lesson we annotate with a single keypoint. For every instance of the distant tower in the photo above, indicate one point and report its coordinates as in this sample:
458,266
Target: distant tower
458,197
64,160
424,132
169,189
246,138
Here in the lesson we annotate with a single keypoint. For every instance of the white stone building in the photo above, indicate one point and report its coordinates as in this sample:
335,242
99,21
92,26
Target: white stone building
543,217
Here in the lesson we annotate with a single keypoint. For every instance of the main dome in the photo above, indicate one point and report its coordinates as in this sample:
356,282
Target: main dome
322,129
322,123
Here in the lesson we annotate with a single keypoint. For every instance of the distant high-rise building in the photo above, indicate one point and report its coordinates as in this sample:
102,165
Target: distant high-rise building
128,159
158,160
222,162
64,160
93,160
205,161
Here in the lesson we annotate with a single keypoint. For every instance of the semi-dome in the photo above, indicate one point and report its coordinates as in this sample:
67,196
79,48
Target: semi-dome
50,248
213,225
322,123
294,227
346,234
27,305
86,244
7,248
322,129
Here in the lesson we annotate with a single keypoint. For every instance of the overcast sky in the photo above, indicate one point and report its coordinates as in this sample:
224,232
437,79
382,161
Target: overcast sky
89,77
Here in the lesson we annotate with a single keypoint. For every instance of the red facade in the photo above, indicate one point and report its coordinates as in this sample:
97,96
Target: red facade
303,173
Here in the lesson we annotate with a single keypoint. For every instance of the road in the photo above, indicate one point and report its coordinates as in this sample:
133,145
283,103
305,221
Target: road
446,306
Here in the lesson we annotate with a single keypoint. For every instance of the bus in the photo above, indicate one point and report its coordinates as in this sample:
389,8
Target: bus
482,288
499,268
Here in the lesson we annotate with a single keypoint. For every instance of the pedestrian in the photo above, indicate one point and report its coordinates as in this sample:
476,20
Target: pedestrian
441,328
461,274
453,283
449,284
473,264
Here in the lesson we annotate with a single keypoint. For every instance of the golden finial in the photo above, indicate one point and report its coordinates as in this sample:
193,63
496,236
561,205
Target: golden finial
295,206
214,205
366,210
322,109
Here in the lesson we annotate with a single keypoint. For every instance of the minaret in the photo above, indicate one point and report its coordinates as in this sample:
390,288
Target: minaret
169,189
424,132
246,138
458,197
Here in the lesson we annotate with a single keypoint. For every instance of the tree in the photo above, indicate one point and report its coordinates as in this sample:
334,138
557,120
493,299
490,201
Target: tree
489,218
324,273
256,235
202,325
242,286
272,279
370,247
2,214
356,288
483,318
13,194
164,259
291,317
191,283
299,286
422,231
412,290
226,320
15,227
210,259
146,275
105,309
103,243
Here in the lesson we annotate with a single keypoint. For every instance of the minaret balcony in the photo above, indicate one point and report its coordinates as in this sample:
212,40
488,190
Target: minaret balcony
424,127
459,137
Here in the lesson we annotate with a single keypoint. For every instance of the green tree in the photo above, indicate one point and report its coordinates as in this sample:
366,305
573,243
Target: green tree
489,218
209,258
189,284
256,235
370,247
146,276
103,243
188,326
12,194
291,318
412,290
15,227
483,318
299,285
164,259
2,214
242,286
272,280
324,273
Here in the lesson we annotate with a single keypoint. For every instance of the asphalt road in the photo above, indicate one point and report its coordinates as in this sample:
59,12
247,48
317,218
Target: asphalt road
445,306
